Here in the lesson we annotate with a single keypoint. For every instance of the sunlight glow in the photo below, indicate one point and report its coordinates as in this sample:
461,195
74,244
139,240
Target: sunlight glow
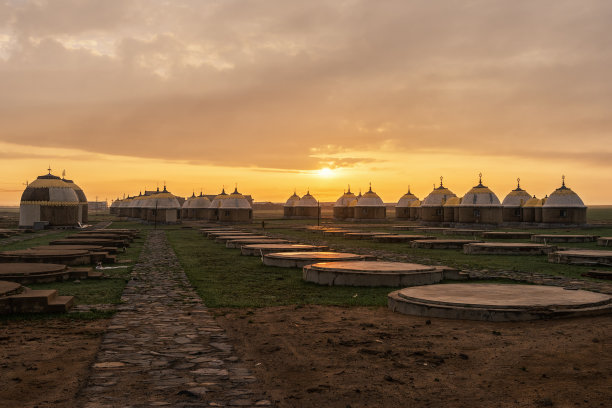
325,172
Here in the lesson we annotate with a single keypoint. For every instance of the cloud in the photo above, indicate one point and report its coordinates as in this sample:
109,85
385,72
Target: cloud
283,85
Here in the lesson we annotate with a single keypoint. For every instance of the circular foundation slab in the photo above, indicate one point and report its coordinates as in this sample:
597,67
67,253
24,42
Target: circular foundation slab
9,288
69,247
507,235
262,249
399,238
371,273
581,257
507,248
64,256
301,259
224,238
604,241
551,239
213,235
494,302
26,273
90,241
442,243
363,235
237,243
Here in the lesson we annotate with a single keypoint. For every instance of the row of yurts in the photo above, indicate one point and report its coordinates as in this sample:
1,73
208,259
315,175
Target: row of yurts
52,200
479,205
165,207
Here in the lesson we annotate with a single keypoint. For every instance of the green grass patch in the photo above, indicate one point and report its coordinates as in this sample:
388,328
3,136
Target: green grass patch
100,291
456,258
224,278
38,239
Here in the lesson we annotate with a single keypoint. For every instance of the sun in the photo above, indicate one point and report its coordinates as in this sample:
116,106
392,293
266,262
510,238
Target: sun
325,172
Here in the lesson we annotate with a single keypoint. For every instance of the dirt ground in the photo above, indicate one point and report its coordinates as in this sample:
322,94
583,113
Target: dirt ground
319,356
370,357
43,363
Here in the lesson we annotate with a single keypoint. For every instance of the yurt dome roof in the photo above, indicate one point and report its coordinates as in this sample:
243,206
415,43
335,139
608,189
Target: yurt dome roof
438,196
480,196
370,199
406,199
235,200
307,201
534,202
200,201
345,199
49,190
564,197
452,202
291,201
516,197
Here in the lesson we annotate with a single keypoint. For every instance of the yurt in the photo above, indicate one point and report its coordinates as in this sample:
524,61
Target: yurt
341,206
289,207
49,199
307,207
185,207
450,209
512,206
163,207
235,208
402,208
564,207
370,207
532,210
432,207
480,205
199,209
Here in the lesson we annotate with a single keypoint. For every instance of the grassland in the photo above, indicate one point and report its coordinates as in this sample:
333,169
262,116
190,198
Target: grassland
89,291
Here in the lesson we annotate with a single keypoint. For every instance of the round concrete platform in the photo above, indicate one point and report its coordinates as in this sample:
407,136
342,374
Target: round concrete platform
604,241
259,249
237,243
507,248
371,273
26,273
69,247
90,241
301,259
507,235
554,238
9,288
224,238
399,238
214,235
468,232
65,256
336,232
582,257
363,235
494,302
442,243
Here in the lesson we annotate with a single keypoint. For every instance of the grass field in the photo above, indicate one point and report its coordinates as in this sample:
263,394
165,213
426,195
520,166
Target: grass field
224,278
88,291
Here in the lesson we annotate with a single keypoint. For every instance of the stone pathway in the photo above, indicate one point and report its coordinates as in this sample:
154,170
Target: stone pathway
163,348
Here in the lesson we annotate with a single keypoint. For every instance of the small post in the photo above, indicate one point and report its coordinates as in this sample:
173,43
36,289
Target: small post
318,213
155,215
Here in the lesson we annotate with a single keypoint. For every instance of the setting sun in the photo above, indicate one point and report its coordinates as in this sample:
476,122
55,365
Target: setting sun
325,172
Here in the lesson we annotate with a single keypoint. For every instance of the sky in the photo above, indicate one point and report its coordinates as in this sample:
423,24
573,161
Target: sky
277,95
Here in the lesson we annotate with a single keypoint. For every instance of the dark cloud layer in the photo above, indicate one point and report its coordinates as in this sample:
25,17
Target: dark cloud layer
262,83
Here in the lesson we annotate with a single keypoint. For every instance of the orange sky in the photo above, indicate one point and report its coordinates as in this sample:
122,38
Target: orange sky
126,94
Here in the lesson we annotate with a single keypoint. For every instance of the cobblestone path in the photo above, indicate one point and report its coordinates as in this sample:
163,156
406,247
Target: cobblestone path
163,348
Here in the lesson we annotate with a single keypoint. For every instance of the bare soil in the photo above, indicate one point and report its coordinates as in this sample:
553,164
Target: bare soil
319,356
43,363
